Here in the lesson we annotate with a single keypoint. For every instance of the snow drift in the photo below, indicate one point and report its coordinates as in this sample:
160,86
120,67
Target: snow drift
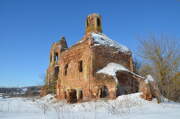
125,106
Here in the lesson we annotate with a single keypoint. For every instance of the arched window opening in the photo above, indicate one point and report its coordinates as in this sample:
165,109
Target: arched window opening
56,57
80,95
65,69
81,66
72,96
104,92
98,22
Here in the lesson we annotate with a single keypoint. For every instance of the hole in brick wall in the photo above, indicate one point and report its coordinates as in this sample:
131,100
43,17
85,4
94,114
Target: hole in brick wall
56,70
127,83
80,95
65,95
104,92
98,22
65,69
81,66
56,57
72,96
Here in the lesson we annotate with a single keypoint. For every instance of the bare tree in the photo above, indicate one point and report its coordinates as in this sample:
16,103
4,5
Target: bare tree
43,107
137,65
59,109
161,59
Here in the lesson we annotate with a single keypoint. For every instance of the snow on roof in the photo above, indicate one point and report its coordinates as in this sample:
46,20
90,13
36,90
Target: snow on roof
101,39
149,78
112,68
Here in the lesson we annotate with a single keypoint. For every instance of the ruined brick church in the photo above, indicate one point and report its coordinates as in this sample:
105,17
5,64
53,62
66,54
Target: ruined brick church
93,68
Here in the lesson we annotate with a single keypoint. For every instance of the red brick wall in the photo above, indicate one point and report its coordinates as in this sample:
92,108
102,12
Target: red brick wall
74,79
104,55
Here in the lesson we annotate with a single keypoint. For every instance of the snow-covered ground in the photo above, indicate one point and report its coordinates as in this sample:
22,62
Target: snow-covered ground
124,107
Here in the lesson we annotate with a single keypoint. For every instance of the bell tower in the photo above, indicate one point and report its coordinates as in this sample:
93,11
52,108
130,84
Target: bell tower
93,23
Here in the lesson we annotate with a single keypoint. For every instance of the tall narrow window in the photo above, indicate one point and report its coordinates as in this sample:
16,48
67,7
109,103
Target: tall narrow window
65,69
50,58
87,23
56,70
56,57
81,66
98,22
